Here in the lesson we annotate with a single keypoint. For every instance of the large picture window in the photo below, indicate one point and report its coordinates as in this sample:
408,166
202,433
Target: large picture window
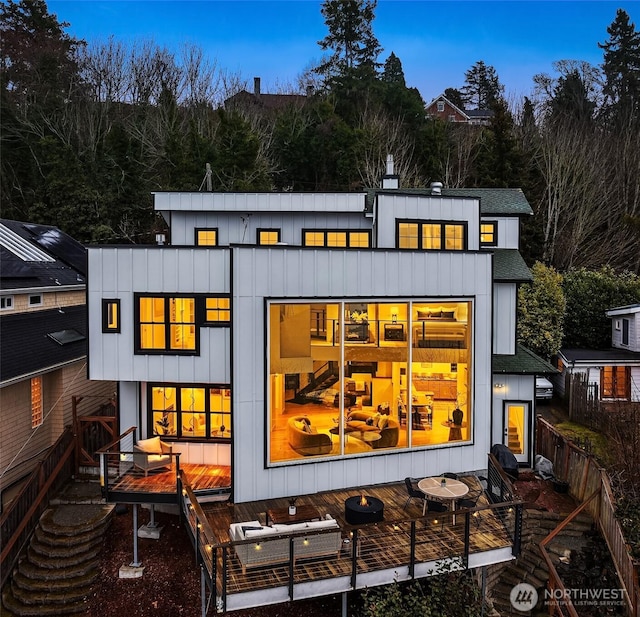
614,381
432,236
166,324
363,377
201,412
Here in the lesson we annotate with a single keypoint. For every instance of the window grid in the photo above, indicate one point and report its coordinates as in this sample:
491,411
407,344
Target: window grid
6,303
489,233
336,238
36,402
408,236
431,236
268,236
167,324
206,237
218,310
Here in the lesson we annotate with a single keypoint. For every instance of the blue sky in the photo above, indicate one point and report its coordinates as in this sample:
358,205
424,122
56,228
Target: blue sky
436,40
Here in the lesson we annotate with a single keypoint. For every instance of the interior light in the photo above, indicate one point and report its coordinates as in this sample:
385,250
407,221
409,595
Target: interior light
199,525
394,314
498,386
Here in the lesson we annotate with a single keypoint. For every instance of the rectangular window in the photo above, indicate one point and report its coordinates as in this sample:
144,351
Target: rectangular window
110,315
36,402
6,303
268,236
337,238
35,300
166,324
336,363
489,233
432,236
613,382
206,237
440,106
200,412
218,310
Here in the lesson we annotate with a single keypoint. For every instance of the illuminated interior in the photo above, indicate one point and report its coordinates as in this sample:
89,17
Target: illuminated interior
364,377
190,411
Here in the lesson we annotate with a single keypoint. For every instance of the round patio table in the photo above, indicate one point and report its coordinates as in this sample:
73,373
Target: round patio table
451,491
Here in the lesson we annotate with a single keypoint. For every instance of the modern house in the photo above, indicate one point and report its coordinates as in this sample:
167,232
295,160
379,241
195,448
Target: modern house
441,107
43,343
615,372
316,341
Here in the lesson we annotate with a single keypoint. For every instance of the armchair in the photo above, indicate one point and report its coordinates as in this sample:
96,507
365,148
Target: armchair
149,454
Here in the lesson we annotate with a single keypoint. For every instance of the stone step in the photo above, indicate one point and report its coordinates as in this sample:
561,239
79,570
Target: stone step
51,563
68,520
12,607
29,570
54,584
81,537
63,550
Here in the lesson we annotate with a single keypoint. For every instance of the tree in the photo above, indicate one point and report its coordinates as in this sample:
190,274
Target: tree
571,100
589,293
482,86
350,36
454,96
541,310
622,69
400,101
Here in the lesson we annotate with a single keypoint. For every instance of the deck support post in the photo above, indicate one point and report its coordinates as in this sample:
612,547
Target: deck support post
344,604
135,563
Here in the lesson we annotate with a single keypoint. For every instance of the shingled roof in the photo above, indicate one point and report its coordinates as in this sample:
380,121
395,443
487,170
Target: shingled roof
27,349
523,362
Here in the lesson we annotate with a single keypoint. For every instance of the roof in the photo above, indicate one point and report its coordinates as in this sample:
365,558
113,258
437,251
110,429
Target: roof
600,356
509,266
479,113
523,362
27,347
493,202
266,101
623,310
36,256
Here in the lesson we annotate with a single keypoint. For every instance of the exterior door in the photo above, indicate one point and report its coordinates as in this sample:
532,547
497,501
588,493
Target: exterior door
516,429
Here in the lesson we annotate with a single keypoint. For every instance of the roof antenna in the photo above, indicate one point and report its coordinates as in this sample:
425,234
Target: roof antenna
207,178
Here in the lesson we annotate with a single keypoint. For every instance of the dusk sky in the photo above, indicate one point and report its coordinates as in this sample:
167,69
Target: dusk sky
436,41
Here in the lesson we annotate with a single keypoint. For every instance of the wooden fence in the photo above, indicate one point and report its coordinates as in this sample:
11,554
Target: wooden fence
93,431
585,477
22,515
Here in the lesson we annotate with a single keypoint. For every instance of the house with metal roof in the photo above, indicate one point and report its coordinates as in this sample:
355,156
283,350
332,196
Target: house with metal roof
43,342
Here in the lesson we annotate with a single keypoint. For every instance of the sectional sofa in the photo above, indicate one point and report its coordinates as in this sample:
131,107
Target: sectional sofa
271,544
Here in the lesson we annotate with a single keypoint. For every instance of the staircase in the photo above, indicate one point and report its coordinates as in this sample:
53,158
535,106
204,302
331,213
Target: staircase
513,440
530,567
320,382
55,574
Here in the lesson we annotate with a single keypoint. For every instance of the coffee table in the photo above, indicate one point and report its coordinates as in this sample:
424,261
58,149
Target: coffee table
281,516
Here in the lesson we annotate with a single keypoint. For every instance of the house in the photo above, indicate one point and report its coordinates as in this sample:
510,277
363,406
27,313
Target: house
262,101
43,343
277,327
441,107
615,372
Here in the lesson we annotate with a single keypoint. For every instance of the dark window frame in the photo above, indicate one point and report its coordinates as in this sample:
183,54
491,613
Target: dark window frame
180,435
106,303
198,229
347,232
443,224
494,225
268,229
624,337
204,322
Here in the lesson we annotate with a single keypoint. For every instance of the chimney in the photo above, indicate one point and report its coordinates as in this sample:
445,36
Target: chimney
256,86
436,188
309,90
390,180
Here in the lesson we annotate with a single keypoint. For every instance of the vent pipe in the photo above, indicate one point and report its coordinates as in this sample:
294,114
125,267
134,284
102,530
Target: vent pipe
436,188
390,180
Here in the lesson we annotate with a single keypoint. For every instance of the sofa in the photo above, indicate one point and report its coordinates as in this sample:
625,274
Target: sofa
152,453
305,439
365,420
271,544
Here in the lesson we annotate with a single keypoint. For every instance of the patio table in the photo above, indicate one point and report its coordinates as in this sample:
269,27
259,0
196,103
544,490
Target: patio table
451,491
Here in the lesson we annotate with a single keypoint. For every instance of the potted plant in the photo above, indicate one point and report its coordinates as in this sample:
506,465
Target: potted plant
292,506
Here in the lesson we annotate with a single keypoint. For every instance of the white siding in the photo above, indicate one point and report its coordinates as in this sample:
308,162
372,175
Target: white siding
504,318
121,272
402,206
634,332
286,272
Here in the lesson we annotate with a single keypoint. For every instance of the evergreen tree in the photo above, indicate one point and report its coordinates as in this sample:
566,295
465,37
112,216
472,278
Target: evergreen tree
400,101
571,101
622,70
482,87
454,96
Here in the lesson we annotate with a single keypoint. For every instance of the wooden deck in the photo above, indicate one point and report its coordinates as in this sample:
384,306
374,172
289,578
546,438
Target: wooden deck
384,546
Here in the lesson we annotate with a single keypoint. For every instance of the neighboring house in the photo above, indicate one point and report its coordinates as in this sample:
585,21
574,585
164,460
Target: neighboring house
267,102
615,371
441,107
269,307
43,342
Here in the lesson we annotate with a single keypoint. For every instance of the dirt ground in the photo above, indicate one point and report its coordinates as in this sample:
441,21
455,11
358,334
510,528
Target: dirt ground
170,585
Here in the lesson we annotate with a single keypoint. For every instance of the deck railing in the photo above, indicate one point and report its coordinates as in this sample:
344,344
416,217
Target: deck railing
22,515
369,555
121,481
585,477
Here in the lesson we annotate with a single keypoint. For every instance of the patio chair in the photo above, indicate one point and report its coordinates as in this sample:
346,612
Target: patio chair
412,491
470,500
450,475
